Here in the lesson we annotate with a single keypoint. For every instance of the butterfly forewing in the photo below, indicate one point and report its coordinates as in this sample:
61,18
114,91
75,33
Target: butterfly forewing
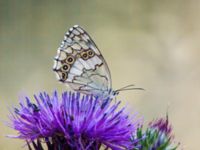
80,64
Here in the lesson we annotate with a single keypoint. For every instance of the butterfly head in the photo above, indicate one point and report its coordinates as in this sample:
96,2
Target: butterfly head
115,93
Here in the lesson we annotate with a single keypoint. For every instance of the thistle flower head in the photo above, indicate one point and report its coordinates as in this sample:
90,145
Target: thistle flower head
158,135
72,121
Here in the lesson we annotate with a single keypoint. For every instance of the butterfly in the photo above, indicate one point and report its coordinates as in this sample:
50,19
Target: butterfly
80,65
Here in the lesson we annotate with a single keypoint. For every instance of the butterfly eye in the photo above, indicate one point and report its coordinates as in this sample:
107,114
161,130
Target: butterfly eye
70,59
84,55
65,67
90,53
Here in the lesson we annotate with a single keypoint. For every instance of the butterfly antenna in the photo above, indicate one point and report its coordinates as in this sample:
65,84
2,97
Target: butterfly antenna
129,87
125,87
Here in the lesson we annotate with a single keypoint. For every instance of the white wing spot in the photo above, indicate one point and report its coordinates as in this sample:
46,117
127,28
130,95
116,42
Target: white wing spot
80,30
76,71
71,35
62,55
68,50
76,46
76,32
76,38
83,45
57,65
69,40
71,29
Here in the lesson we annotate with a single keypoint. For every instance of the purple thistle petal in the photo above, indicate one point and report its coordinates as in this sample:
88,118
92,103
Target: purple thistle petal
162,125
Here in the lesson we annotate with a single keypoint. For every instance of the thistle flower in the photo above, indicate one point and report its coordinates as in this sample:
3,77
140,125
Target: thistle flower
158,135
72,122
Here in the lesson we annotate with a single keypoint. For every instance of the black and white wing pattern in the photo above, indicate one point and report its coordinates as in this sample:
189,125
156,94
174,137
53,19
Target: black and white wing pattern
80,64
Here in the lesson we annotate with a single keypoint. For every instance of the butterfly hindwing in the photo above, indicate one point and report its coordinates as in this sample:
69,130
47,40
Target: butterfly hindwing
80,64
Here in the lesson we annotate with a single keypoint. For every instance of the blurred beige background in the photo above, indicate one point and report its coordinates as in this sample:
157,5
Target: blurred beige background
151,43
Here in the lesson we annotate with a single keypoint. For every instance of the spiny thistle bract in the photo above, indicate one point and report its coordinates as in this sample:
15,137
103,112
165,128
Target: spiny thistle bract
158,136
73,121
